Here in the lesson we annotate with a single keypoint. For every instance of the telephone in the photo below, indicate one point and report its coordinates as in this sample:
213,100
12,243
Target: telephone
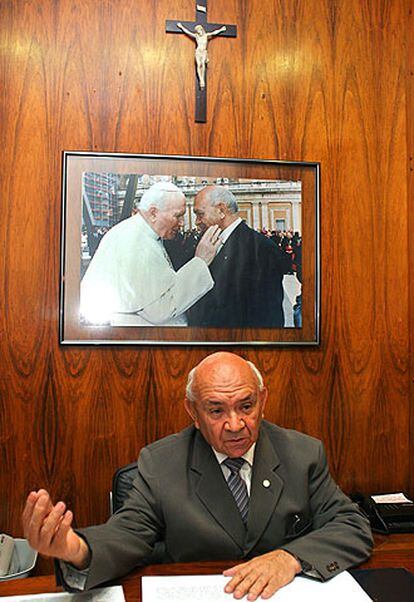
387,517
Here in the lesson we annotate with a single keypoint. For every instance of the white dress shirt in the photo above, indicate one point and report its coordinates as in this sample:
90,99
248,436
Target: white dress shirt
226,233
245,470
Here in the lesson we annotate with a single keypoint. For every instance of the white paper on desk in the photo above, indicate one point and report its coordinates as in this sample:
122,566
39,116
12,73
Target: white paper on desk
391,498
104,594
210,588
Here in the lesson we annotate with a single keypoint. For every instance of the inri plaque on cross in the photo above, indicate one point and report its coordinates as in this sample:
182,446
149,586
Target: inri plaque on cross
202,32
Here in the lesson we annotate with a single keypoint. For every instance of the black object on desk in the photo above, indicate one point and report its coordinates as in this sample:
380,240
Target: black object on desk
386,585
386,517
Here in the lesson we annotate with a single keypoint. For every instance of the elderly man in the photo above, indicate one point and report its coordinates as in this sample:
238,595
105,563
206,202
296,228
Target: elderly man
130,280
230,486
247,270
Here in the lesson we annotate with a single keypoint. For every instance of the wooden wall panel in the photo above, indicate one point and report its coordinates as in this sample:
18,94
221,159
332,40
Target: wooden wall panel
410,220
325,81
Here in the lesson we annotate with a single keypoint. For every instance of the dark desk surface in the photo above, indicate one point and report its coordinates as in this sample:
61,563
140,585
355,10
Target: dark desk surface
392,551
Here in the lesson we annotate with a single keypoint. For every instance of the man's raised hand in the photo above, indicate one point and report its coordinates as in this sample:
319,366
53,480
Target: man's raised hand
208,245
47,528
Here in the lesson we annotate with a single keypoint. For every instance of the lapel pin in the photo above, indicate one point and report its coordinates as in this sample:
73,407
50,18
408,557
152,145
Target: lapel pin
266,483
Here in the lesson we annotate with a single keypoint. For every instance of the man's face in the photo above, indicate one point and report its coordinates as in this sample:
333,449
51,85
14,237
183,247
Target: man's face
170,219
228,408
206,214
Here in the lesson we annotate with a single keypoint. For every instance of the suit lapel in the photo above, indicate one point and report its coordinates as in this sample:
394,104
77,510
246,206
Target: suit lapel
226,253
212,490
266,488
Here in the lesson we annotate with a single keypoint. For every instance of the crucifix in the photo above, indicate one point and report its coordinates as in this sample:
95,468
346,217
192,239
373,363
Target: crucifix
201,31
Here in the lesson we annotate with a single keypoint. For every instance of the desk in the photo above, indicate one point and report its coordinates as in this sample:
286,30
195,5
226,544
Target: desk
389,551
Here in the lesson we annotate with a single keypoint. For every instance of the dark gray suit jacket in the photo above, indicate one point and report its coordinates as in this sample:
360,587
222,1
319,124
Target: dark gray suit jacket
181,498
248,289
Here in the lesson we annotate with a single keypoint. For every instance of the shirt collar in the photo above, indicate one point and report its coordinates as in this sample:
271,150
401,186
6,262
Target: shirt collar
224,235
248,456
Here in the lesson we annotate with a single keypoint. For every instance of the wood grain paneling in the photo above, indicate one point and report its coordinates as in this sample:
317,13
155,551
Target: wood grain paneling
329,81
410,220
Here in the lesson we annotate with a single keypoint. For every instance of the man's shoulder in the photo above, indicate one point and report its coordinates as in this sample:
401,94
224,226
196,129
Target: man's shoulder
125,224
172,443
289,439
243,230
168,456
247,235
121,231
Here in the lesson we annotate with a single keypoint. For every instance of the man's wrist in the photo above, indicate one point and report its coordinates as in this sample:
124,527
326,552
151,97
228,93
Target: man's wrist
301,565
295,562
82,559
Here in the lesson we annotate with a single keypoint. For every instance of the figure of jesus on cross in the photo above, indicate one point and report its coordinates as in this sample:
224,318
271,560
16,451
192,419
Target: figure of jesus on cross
201,31
201,57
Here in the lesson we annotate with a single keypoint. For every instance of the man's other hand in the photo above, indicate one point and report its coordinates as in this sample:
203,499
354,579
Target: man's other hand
262,576
47,528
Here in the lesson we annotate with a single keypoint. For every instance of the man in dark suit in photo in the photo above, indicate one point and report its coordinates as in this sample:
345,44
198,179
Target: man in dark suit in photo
247,271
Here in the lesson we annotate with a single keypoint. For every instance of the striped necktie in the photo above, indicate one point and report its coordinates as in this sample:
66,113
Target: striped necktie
238,486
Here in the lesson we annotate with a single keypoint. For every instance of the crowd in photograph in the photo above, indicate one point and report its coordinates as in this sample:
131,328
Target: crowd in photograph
289,242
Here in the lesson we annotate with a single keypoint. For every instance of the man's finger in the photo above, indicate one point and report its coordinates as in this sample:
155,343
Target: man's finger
41,509
237,578
214,231
245,585
214,234
257,588
65,520
28,508
272,587
31,501
35,517
234,569
50,523
63,527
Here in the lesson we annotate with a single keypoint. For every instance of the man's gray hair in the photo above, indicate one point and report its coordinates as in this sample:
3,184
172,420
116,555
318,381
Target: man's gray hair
189,392
220,194
157,195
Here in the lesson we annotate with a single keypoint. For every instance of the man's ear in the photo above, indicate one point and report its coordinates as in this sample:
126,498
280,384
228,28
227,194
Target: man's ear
189,406
222,210
263,394
153,212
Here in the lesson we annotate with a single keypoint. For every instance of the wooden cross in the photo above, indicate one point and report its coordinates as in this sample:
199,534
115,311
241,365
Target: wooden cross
201,37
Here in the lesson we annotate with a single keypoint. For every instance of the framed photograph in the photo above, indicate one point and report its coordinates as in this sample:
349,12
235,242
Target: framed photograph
176,250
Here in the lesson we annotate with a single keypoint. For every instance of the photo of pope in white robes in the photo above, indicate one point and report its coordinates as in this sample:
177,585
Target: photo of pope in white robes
130,280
